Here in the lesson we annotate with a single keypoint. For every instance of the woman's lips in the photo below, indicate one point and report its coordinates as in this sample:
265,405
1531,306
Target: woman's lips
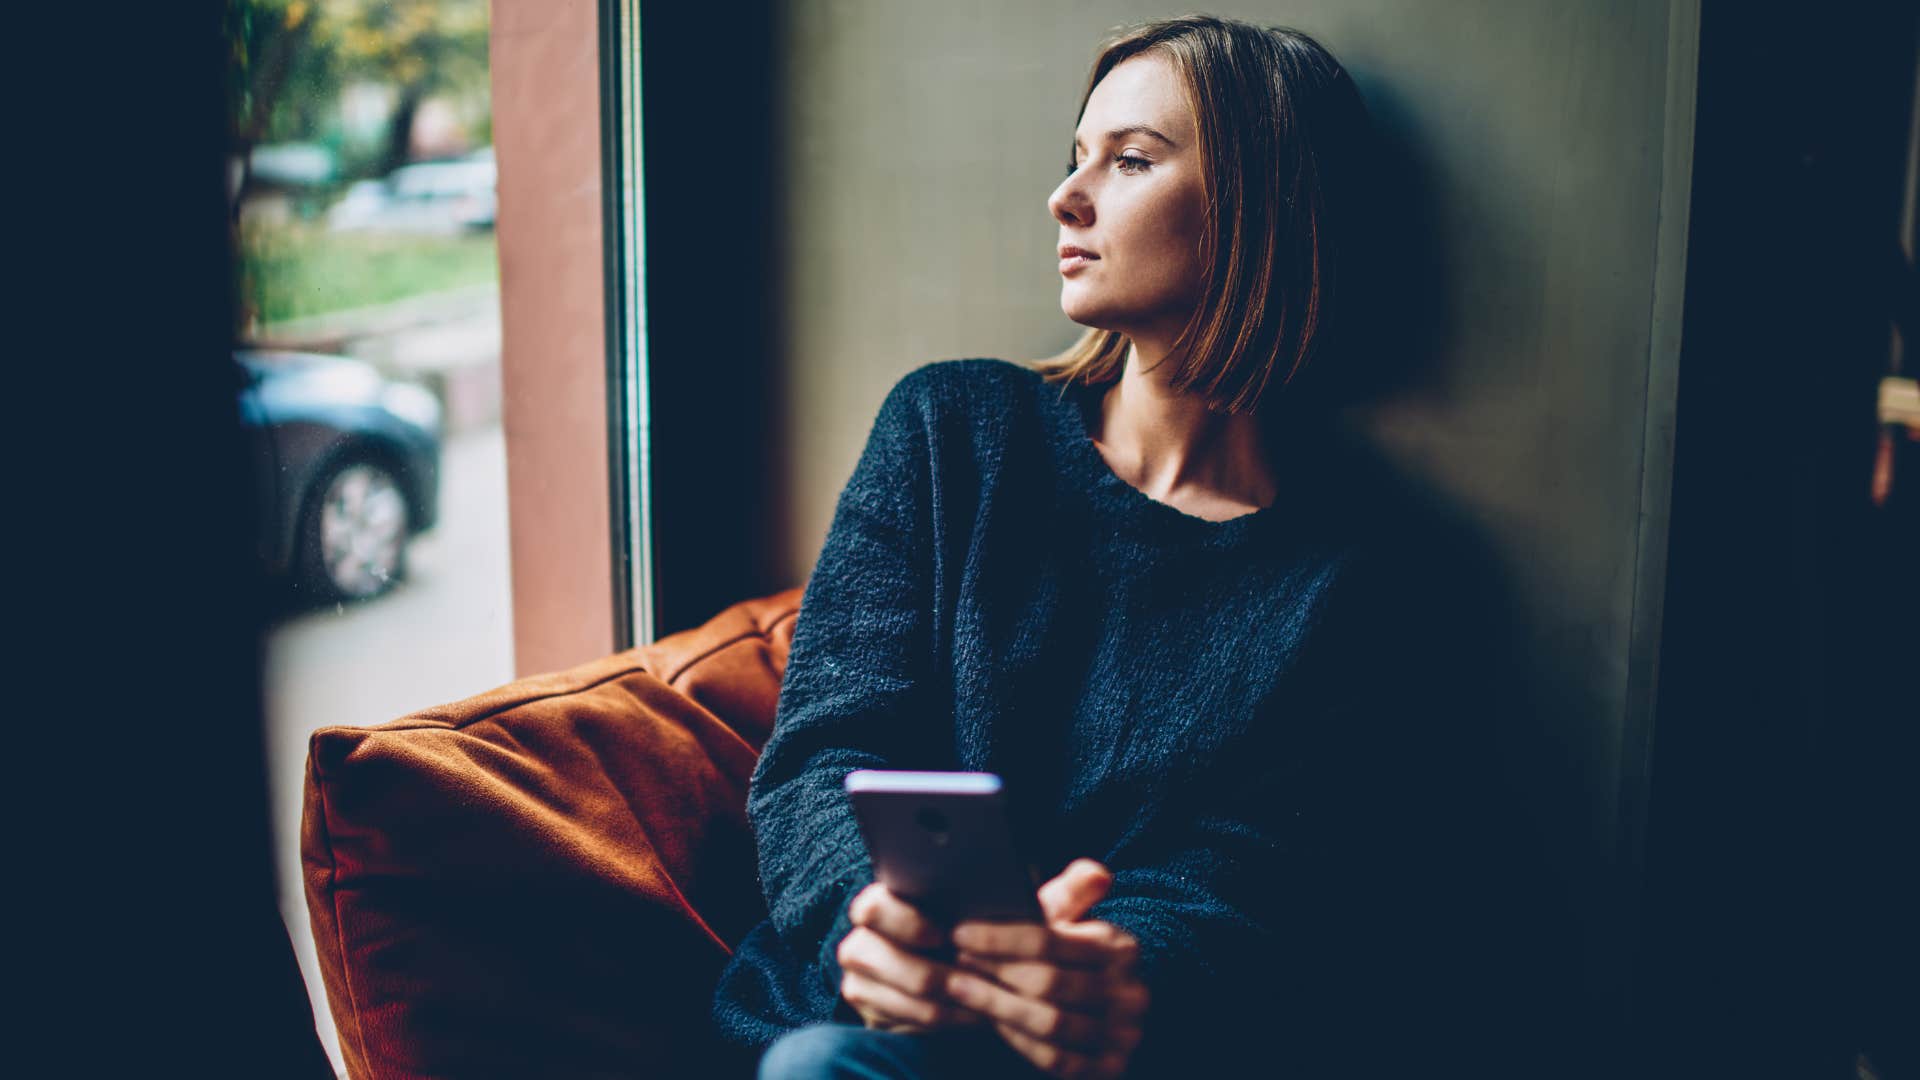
1074,262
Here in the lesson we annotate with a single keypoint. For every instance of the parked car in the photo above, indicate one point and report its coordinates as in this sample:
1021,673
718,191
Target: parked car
431,197
347,469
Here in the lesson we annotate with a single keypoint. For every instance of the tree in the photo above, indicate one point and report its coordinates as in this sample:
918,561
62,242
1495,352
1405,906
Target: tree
290,59
419,47
273,45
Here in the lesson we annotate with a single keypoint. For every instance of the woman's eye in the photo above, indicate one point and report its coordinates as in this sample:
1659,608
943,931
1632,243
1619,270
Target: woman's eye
1126,164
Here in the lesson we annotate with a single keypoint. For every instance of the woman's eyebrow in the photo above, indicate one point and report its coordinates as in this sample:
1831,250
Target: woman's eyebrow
1131,129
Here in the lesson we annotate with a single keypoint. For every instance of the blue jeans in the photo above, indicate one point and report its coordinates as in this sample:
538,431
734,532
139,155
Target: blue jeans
822,1051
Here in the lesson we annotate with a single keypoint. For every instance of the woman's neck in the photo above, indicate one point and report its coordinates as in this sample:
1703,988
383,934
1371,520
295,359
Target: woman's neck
1173,448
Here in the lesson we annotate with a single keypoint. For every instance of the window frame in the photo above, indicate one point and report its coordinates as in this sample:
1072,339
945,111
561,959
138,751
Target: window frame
629,445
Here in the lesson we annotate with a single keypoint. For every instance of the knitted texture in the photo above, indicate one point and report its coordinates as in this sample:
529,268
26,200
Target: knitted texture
1155,689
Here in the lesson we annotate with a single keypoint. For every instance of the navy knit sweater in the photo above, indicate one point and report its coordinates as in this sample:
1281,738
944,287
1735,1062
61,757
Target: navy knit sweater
1156,689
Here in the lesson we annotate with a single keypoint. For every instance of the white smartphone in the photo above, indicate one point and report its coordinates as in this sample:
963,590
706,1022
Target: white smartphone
941,841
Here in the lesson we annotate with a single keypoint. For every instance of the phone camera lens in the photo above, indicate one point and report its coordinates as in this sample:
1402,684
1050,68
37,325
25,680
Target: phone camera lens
934,822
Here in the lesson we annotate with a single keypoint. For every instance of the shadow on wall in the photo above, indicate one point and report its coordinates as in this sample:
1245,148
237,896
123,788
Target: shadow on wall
1493,794
1399,258
1459,824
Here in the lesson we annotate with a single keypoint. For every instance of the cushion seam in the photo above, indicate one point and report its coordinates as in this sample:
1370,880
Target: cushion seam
698,919
339,924
491,713
756,631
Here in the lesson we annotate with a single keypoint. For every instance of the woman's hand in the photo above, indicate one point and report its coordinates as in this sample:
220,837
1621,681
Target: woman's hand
884,975
1064,994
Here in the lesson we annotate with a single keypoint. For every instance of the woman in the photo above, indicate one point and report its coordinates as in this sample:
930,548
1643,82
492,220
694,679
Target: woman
1119,579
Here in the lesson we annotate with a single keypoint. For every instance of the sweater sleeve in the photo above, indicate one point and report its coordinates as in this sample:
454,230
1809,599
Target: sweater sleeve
854,692
1204,891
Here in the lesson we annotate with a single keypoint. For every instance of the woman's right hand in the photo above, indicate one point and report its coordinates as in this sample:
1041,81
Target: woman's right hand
886,974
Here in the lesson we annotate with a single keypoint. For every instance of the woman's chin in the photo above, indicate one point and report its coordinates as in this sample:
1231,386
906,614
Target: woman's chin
1080,310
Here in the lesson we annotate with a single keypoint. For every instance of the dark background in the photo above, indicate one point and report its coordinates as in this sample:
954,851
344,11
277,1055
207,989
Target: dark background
1778,906
146,938
713,227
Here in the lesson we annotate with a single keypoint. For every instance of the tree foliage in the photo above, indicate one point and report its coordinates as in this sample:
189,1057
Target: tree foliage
269,42
291,58
418,46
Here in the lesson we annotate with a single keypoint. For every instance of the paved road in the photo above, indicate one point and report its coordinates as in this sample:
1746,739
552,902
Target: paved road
444,633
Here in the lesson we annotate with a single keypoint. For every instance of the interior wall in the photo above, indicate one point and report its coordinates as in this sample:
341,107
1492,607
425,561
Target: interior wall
1543,154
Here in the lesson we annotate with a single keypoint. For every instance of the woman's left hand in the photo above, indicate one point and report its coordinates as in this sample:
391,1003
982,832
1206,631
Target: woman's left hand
1065,993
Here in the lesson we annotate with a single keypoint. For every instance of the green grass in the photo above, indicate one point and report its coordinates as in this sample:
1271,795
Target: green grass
290,271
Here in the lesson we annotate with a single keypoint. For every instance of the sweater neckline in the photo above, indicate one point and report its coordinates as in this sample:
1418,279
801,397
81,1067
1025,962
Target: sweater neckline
1127,504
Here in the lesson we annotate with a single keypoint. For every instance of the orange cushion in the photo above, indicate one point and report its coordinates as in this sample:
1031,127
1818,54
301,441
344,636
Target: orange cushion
546,879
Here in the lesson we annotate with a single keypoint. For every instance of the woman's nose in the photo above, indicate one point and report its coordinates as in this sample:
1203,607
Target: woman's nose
1070,205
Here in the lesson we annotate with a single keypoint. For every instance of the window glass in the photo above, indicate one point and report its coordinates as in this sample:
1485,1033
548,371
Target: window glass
367,366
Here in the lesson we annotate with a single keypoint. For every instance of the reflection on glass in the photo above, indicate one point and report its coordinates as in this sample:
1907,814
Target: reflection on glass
367,370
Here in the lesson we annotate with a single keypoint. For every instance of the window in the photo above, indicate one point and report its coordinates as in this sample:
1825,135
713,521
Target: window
396,396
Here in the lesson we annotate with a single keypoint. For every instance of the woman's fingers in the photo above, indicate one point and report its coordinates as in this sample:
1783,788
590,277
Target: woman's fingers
1072,891
1043,1020
1122,948
887,1006
1076,988
1064,1063
868,952
877,908
1061,1062
1091,944
1027,941
1083,990
1065,994
892,987
1062,993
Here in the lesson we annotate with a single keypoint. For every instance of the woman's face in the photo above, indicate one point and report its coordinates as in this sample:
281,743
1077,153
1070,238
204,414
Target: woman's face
1134,199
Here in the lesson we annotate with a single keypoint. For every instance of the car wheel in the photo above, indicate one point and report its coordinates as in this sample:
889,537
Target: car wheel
354,539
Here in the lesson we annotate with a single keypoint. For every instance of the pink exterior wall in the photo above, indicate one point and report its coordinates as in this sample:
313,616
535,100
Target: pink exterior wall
546,123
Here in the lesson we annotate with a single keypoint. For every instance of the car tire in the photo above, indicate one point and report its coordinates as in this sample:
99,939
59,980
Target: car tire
353,532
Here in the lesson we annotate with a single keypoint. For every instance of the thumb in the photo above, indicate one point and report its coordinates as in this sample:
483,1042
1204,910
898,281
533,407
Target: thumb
1081,885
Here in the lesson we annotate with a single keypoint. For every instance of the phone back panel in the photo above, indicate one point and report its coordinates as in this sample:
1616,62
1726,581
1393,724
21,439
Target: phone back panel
950,854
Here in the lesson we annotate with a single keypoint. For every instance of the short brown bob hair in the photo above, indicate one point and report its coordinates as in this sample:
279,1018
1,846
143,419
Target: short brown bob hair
1284,144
